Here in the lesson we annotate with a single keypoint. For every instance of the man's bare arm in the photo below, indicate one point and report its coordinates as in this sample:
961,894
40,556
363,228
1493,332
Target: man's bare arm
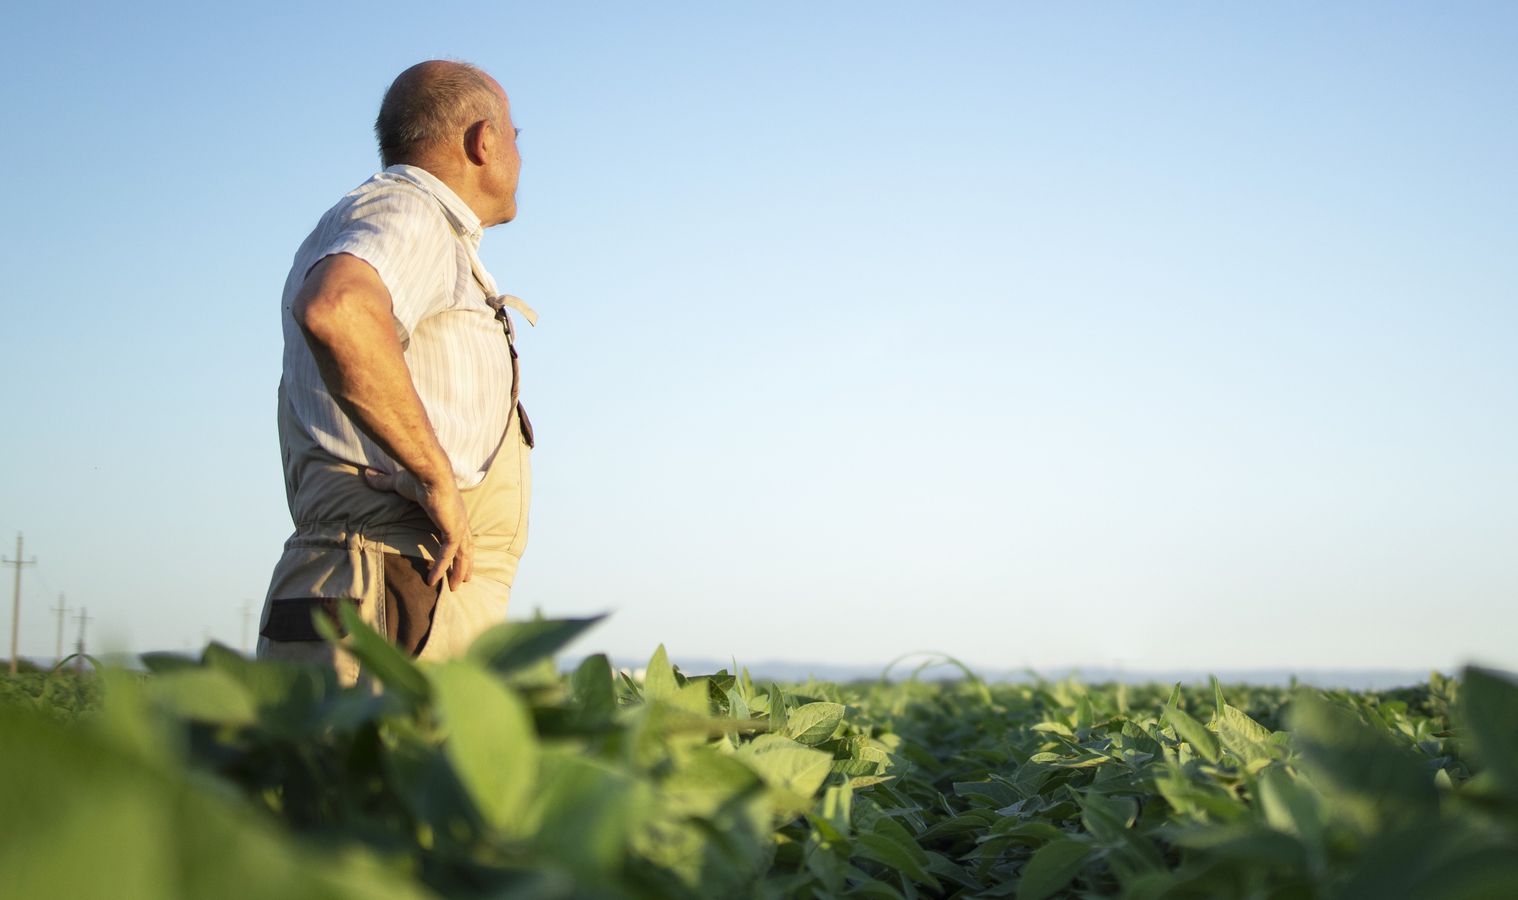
344,310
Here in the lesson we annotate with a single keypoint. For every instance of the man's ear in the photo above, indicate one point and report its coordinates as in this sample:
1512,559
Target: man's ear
477,138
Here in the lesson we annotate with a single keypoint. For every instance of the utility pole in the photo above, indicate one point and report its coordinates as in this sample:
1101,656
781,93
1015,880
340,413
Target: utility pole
18,562
83,619
247,616
60,609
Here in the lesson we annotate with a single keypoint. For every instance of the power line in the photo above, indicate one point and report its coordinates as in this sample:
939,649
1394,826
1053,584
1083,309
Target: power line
60,609
83,619
39,576
40,573
19,563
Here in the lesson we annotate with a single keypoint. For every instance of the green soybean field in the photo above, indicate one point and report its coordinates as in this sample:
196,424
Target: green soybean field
498,775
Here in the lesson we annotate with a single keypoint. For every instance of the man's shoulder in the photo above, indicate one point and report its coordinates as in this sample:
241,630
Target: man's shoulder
384,195
386,222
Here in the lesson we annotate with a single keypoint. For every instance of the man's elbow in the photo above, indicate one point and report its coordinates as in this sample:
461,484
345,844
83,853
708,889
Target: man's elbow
337,312
319,312
340,293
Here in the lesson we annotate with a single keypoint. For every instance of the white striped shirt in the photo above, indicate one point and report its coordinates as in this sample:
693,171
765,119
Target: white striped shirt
424,243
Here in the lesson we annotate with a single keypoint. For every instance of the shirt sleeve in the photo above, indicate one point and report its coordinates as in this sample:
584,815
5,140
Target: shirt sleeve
403,234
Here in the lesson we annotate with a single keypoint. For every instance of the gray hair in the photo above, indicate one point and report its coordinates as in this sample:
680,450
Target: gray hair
432,103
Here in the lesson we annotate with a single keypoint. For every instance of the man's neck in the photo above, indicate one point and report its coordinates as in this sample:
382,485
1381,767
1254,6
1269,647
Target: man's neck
465,217
458,179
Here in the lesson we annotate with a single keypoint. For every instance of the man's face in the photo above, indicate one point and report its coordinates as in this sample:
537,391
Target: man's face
506,164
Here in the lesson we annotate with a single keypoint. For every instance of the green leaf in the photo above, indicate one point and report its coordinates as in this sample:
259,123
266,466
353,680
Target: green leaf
813,723
490,741
710,824
706,781
292,700
693,697
1489,706
1248,842
890,845
379,657
1245,738
992,793
889,828
1085,715
833,822
585,812
1431,860
351,709
593,689
1291,805
1059,728
737,706
1371,779
206,695
1204,742
941,866
627,688
1110,820
827,859
427,783
777,709
659,678
1054,865
1084,761
1480,873
787,766
853,767
1175,695
513,646
88,817
1198,798
1105,817
874,887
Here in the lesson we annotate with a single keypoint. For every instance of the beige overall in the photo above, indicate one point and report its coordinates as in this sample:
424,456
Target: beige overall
344,528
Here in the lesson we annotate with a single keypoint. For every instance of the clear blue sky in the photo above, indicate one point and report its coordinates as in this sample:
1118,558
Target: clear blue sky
1173,334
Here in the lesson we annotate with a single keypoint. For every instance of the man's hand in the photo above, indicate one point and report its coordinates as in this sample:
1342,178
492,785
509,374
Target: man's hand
345,312
456,554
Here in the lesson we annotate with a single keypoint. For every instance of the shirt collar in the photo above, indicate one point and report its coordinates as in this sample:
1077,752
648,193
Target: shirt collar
460,216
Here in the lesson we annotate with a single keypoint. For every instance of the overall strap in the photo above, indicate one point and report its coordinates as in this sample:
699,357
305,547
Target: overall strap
498,302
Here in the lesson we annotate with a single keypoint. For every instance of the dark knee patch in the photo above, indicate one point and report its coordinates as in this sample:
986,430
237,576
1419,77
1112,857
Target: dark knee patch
294,620
410,602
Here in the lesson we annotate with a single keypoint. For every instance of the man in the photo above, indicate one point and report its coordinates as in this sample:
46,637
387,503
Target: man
406,451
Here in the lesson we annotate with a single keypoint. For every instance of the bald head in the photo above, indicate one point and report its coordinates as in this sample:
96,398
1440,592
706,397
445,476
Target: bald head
432,104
